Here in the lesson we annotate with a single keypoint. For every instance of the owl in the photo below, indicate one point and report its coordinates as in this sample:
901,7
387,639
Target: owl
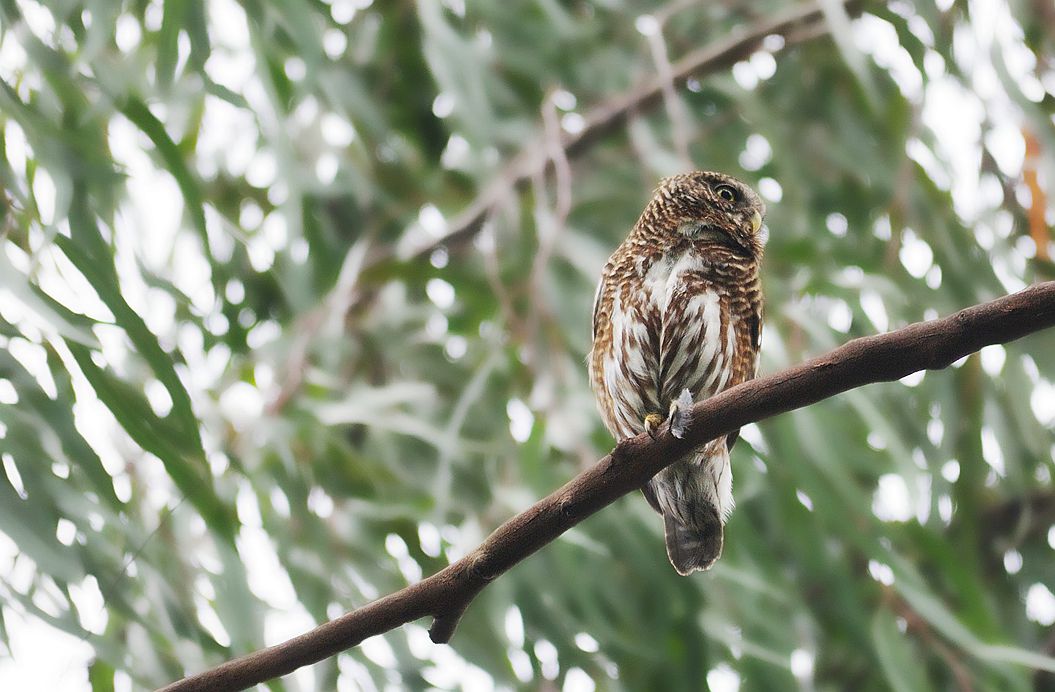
678,317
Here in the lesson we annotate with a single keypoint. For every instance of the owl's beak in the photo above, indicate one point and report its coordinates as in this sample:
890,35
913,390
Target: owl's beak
756,222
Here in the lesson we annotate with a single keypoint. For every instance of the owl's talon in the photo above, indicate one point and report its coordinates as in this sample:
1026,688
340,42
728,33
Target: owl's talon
652,423
679,414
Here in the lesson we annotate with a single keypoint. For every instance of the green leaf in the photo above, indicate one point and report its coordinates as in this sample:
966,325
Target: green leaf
66,323
897,654
185,466
101,676
105,284
136,110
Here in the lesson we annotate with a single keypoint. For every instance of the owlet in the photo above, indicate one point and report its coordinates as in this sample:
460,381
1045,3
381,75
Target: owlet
678,317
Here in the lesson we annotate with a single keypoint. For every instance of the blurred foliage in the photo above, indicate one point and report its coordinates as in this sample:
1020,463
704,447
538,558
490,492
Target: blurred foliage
234,403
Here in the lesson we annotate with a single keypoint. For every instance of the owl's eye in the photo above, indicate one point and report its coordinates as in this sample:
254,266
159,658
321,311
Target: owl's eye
727,192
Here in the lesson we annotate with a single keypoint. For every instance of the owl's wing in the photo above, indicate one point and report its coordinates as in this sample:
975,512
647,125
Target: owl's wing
596,304
754,325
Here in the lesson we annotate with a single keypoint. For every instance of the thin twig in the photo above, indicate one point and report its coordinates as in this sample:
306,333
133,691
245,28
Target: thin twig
679,119
1038,204
613,113
445,595
550,224
334,310
917,624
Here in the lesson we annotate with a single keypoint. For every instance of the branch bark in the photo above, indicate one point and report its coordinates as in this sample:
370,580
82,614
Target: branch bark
445,595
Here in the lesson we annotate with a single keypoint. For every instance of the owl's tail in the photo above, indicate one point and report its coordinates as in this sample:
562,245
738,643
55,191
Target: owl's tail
695,497
693,548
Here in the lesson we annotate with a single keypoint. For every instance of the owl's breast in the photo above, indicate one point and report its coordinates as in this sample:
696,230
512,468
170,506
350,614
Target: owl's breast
694,342
669,331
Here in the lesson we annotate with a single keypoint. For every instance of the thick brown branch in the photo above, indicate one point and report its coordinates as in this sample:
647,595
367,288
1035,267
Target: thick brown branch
446,594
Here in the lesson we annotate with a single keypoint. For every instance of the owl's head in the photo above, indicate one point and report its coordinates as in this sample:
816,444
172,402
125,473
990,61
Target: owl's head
712,208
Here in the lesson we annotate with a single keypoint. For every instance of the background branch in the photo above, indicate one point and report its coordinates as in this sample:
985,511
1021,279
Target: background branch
798,24
446,594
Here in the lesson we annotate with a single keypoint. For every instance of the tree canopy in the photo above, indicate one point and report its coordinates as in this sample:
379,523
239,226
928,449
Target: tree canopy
295,301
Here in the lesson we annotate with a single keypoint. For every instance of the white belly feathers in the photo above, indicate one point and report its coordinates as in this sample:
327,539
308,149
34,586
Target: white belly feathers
669,337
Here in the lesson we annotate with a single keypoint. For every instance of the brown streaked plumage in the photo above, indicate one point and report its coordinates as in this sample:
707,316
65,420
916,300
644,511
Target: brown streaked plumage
679,307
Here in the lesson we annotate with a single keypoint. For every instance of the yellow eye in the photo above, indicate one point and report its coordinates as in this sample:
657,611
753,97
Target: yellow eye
727,192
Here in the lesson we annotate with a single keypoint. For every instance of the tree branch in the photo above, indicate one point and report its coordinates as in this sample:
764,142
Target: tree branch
797,24
445,595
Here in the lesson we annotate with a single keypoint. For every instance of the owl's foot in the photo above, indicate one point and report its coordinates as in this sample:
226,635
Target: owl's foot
679,414
652,423
677,417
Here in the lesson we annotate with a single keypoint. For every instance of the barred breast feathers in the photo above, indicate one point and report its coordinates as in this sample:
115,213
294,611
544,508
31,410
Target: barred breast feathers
670,329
